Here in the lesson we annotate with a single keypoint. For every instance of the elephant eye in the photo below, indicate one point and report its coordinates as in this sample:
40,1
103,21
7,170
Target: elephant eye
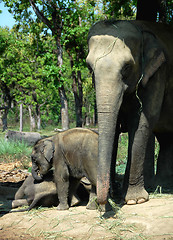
33,159
125,72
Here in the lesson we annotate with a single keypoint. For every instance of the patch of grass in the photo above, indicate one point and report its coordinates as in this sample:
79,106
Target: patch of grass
123,151
157,149
156,194
122,154
14,150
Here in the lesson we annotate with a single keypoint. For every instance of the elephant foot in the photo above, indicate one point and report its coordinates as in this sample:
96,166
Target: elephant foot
95,206
133,202
136,195
101,207
75,200
92,205
105,207
62,207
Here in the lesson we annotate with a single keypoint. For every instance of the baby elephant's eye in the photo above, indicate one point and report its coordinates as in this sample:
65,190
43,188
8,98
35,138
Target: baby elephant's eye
33,159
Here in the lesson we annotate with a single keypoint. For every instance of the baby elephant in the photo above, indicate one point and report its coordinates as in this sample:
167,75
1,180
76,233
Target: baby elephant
72,153
43,193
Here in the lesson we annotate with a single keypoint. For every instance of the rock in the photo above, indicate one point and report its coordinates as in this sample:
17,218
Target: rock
28,137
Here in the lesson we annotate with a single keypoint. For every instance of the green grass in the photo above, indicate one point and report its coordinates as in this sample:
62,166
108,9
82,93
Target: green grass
123,150
11,151
122,154
14,148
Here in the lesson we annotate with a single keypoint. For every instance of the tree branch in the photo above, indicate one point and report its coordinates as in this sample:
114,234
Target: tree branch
52,4
4,107
40,15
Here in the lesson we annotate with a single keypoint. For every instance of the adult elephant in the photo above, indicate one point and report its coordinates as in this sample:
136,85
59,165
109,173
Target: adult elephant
132,62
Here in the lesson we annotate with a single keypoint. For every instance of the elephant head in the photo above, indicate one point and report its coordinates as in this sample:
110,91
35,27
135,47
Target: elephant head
42,156
122,56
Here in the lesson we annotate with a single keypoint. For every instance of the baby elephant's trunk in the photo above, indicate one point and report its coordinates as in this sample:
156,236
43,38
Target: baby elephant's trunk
35,174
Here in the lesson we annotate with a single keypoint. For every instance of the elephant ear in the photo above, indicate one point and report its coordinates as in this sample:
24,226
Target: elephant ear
153,56
48,150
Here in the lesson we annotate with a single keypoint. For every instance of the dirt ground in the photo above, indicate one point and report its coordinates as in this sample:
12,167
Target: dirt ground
151,220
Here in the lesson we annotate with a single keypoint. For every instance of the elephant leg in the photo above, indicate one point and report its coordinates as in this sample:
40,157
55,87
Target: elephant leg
164,173
62,190
135,192
73,197
75,200
19,203
61,176
92,203
149,172
114,186
20,192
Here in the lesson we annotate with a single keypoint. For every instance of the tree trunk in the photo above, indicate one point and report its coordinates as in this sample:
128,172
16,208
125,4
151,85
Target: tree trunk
77,91
162,11
63,97
3,115
87,121
78,95
21,118
1,123
7,99
147,10
55,25
37,110
39,121
4,119
64,109
32,119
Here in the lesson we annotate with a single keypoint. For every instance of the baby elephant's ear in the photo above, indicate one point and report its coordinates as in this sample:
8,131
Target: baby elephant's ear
48,150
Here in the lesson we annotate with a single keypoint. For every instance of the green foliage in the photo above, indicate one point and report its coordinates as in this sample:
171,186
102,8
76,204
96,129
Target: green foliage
13,149
157,148
32,59
28,52
122,153
170,11
120,9
26,71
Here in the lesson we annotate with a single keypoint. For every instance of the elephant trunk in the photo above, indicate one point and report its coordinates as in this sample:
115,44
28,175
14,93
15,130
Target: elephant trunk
34,172
107,121
106,139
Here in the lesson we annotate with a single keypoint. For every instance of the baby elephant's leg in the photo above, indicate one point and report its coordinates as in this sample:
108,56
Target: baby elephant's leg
92,204
19,203
62,189
61,176
72,195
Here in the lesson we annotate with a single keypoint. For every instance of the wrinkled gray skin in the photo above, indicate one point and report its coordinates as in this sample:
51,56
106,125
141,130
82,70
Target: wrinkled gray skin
72,153
44,193
132,63
34,194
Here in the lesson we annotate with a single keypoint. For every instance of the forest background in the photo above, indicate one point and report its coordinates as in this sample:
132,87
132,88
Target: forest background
44,80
